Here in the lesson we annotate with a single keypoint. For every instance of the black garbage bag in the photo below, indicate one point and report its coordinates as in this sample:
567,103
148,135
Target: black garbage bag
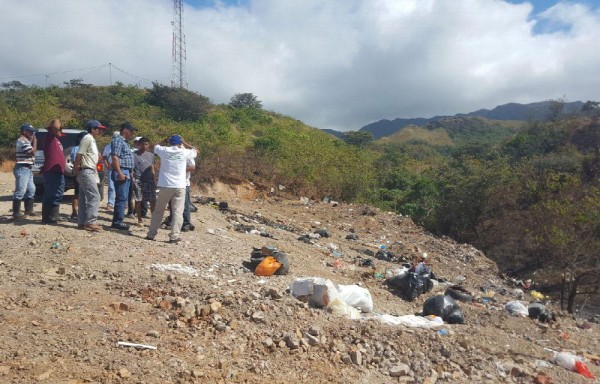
458,292
284,269
444,307
384,255
410,285
540,312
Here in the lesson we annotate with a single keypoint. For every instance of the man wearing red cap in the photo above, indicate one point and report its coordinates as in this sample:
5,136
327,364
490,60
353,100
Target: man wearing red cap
86,174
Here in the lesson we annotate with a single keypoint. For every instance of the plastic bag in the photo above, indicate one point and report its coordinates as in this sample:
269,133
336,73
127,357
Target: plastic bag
410,285
267,267
412,321
516,308
572,363
317,291
540,312
282,258
357,297
458,292
444,307
339,308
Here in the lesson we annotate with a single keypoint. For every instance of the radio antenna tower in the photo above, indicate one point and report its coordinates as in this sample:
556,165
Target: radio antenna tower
178,75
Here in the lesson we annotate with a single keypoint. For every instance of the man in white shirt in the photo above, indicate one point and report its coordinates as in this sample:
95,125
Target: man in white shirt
171,184
86,174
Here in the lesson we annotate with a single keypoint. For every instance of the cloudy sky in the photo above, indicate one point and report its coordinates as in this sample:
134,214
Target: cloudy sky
338,64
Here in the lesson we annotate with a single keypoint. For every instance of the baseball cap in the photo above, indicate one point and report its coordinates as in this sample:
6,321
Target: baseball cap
28,127
175,140
137,139
94,124
128,126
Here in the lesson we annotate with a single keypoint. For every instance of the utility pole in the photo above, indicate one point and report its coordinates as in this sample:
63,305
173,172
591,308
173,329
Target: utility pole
178,74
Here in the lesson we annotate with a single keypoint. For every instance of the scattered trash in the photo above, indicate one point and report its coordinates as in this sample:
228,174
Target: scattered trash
458,292
537,296
412,284
442,332
56,245
259,255
357,297
352,236
540,312
571,362
411,321
267,267
175,268
322,232
367,263
584,325
340,308
542,364
444,307
321,292
223,206
134,345
384,255
517,308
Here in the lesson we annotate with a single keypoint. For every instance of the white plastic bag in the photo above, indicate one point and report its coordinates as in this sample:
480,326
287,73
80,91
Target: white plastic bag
411,321
357,297
319,292
339,308
516,308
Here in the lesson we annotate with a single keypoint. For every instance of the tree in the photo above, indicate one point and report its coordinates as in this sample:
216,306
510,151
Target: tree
179,103
76,83
245,100
15,84
358,138
592,109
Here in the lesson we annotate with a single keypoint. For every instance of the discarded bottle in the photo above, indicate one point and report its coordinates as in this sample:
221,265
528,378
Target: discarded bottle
572,363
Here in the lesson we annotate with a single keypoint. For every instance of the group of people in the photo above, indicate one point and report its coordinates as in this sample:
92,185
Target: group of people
131,172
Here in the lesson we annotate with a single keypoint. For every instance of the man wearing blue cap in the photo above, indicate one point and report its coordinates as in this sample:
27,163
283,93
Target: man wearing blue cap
171,184
24,186
86,174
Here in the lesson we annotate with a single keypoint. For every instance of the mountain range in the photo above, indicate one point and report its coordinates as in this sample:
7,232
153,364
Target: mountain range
540,111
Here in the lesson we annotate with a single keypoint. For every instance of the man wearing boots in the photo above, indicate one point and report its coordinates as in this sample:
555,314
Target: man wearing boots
24,186
87,177
53,172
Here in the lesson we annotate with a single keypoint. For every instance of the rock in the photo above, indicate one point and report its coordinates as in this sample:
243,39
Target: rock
153,333
215,307
314,330
45,375
312,340
4,369
274,293
203,310
346,359
258,316
124,373
431,379
291,341
356,357
268,342
400,370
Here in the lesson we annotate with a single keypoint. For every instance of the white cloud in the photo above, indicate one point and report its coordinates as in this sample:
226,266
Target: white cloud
336,64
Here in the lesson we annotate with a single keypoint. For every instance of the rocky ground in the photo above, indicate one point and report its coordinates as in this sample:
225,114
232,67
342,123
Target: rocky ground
68,297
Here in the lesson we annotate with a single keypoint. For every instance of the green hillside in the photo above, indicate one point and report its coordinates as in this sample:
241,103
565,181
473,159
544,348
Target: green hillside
528,194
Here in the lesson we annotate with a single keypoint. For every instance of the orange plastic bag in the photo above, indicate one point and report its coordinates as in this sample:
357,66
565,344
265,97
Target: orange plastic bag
267,267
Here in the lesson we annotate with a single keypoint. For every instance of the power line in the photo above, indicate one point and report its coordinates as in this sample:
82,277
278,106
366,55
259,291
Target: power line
93,70
50,74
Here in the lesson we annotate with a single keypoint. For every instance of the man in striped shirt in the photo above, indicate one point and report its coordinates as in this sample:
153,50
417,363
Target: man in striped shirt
24,186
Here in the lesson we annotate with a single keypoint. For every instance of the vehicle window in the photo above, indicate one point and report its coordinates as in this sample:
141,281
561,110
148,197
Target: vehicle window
67,141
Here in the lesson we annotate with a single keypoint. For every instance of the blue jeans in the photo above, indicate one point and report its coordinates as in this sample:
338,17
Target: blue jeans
121,196
24,187
54,188
111,191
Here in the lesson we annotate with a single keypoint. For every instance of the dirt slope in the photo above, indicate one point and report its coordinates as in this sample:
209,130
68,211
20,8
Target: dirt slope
67,297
